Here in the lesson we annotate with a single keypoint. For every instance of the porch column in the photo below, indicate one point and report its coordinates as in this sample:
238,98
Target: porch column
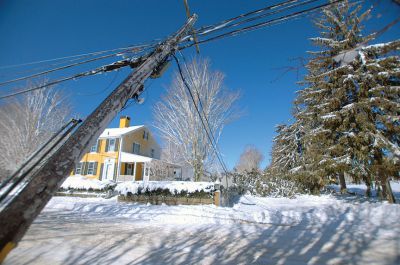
146,172
134,170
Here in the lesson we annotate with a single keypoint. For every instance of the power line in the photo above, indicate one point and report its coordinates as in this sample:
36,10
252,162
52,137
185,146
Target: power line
107,68
203,111
231,33
104,89
259,16
265,23
21,176
63,67
227,21
84,55
201,118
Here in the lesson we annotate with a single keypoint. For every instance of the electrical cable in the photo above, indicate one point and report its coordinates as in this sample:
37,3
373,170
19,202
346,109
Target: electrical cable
265,23
200,116
21,177
60,68
29,159
227,21
201,105
290,4
106,68
84,55
231,33
103,90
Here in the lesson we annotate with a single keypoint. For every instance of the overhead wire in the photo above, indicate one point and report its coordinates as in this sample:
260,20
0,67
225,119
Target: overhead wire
111,67
66,66
265,23
215,148
150,44
61,62
227,21
202,108
103,90
266,14
25,174
223,35
260,13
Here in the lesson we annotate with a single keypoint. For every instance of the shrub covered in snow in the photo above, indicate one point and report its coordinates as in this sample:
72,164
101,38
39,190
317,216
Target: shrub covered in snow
266,184
79,182
166,188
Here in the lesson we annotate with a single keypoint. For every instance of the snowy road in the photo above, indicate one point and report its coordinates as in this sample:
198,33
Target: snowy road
307,230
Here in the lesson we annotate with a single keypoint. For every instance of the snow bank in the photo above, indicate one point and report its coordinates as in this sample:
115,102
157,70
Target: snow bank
173,187
304,210
79,182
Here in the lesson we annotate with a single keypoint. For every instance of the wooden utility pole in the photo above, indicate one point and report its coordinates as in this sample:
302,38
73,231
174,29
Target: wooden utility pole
185,2
18,214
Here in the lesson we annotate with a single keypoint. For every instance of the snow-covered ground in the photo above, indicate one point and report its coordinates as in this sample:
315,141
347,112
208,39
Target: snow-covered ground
360,189
306,230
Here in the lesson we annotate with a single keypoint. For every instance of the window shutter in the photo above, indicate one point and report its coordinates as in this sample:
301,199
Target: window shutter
107,145
101,171
98,146
116,145
95,168
84,168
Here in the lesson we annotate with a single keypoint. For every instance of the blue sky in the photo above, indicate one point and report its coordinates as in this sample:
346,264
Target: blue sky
46,29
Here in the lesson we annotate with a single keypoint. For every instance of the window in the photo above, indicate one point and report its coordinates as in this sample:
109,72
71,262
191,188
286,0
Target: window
136,148
93,149
152,153
111,145
145,135
90,169
78,169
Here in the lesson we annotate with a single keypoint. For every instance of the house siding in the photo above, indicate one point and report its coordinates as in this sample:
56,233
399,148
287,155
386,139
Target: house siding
146,145
98,157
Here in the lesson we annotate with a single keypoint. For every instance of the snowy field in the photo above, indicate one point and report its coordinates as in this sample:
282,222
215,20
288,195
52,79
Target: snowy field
305,230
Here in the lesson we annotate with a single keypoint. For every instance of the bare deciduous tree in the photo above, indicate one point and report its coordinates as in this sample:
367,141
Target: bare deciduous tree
179,123
27,122
249,160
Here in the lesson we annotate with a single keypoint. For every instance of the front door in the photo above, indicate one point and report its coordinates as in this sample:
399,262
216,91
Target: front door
108,169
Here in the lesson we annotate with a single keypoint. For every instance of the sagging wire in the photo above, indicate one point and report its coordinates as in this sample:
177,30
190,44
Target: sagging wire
213,144
18,176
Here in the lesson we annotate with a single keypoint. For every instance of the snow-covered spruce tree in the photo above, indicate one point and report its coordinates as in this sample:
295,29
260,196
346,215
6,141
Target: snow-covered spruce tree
347,102
377,75
287,149
288,159
328,153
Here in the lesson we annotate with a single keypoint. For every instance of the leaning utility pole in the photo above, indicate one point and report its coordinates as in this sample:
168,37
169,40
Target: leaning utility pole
19,213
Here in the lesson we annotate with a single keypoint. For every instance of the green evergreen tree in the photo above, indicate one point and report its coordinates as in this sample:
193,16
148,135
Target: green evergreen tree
350,103
347,118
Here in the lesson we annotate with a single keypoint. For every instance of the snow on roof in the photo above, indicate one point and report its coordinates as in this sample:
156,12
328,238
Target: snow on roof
117,132
127,157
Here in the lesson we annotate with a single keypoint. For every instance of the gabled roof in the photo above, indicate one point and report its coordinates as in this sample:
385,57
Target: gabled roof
117,132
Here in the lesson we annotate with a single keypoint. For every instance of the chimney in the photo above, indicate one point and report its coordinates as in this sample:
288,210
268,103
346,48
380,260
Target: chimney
124,121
